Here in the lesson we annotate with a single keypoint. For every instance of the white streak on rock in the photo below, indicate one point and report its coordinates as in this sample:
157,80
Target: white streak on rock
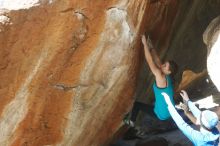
15,111
4,20
114,45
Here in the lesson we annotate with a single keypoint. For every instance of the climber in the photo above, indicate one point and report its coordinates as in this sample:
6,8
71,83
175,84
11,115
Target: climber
163,83
208,120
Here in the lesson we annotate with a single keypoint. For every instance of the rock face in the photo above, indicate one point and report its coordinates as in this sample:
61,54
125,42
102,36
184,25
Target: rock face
211,38
67,69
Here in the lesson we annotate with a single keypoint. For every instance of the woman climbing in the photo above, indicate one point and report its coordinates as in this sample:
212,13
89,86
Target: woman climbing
163,83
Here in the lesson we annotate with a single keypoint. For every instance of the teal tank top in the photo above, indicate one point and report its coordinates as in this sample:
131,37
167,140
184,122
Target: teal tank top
160,107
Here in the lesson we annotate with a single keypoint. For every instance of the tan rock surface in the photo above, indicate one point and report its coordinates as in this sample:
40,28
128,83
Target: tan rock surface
68,68
67,71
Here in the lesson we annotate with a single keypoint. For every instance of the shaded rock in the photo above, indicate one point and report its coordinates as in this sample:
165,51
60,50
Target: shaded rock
68,68
189,77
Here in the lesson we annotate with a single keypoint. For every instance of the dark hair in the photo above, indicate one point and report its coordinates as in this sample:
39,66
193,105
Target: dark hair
173,67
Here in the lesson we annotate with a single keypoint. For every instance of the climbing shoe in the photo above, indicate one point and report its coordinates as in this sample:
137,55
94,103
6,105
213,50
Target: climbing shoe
127,121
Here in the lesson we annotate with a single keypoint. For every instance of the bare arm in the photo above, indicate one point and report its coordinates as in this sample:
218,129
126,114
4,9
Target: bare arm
156,57
189,114
153,67
191,117
195,111
160,77
154,54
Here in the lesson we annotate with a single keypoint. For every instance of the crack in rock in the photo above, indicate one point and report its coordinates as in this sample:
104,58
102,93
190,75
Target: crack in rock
67,10
67,88
80,15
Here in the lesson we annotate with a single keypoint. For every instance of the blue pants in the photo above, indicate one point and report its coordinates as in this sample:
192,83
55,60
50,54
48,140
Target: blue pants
138,106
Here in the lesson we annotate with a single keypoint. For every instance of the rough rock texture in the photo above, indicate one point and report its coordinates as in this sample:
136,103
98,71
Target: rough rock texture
212,39
188,78
67,70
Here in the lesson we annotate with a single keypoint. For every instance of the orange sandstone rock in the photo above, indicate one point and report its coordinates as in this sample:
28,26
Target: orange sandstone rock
67,70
